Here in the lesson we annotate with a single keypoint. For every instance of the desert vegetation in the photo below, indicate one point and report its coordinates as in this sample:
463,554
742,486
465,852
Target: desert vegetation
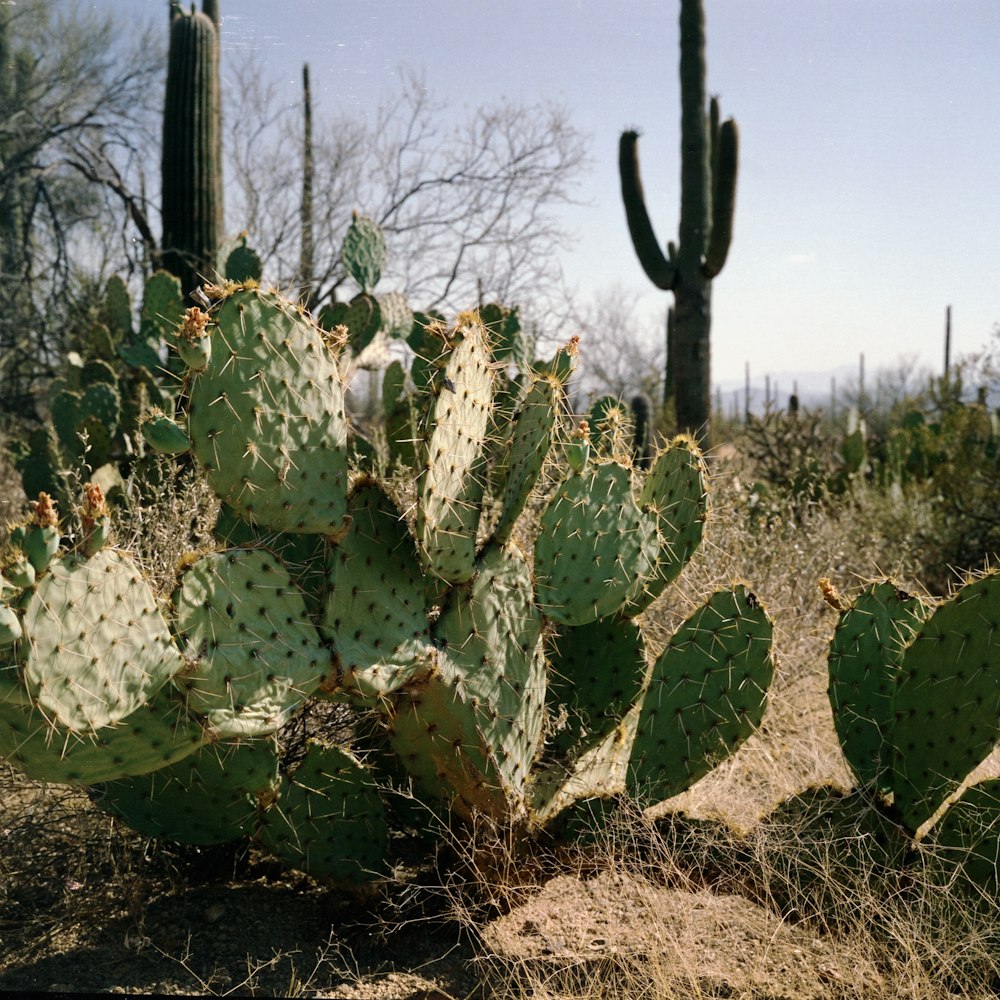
355,645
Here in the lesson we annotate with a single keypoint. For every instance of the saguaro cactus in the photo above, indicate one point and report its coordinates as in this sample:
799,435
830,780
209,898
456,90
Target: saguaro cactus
191,169
709,154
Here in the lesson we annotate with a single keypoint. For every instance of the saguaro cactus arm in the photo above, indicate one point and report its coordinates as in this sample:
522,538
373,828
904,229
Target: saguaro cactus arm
659,269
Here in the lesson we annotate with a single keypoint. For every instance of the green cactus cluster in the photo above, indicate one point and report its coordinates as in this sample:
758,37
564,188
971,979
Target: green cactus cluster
481,610
916,701
114,371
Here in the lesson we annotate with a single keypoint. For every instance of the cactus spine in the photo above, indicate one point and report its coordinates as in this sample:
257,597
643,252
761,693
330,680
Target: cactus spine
709,154
191,170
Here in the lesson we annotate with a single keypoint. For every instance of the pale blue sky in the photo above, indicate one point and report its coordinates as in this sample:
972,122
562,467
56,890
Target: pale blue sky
869,187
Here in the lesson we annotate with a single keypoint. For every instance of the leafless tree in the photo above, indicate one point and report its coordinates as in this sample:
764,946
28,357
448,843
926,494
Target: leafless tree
621,353
78,117
463,206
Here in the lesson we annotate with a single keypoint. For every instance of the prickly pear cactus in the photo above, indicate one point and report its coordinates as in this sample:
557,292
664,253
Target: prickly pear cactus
916,693
486,695
152,737
454,479
866,653
947,700
374,613
252,656
266,416
595,546
328,819
476,614
99,648
707,694
212,796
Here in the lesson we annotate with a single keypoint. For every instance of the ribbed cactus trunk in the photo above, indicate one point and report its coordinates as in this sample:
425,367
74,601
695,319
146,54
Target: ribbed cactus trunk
192,148
692,364
708,192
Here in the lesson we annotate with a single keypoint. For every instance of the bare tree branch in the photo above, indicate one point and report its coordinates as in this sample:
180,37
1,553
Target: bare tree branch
461,205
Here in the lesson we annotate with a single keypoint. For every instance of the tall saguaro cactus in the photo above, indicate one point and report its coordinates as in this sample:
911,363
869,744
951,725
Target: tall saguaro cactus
709,154
192,147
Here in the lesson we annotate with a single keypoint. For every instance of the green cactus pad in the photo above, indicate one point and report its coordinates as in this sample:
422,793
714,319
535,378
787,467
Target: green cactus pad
400,417
471,729
243,264
99,648
707,694
40,467
674,492
598,672
209,797
64,406
139,355
40,544
611,428
865,656
530,441
374,615
98,371
10,627
452,484
362,316
164,435
329,820
968,838
503,326
267,417
253,654
363,252
595,547
304,556
116,308
596,776
162,308
151,737
947,700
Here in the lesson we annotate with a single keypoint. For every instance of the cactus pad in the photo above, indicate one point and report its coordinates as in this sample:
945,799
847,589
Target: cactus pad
969,837
598,673
99,648
363,252
595,547
209,797
707,694
254,656
865,655
947,700
328,819
162,308
530,441
362,316
151,737
452,484
374,613
472,728
267,417
674,492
